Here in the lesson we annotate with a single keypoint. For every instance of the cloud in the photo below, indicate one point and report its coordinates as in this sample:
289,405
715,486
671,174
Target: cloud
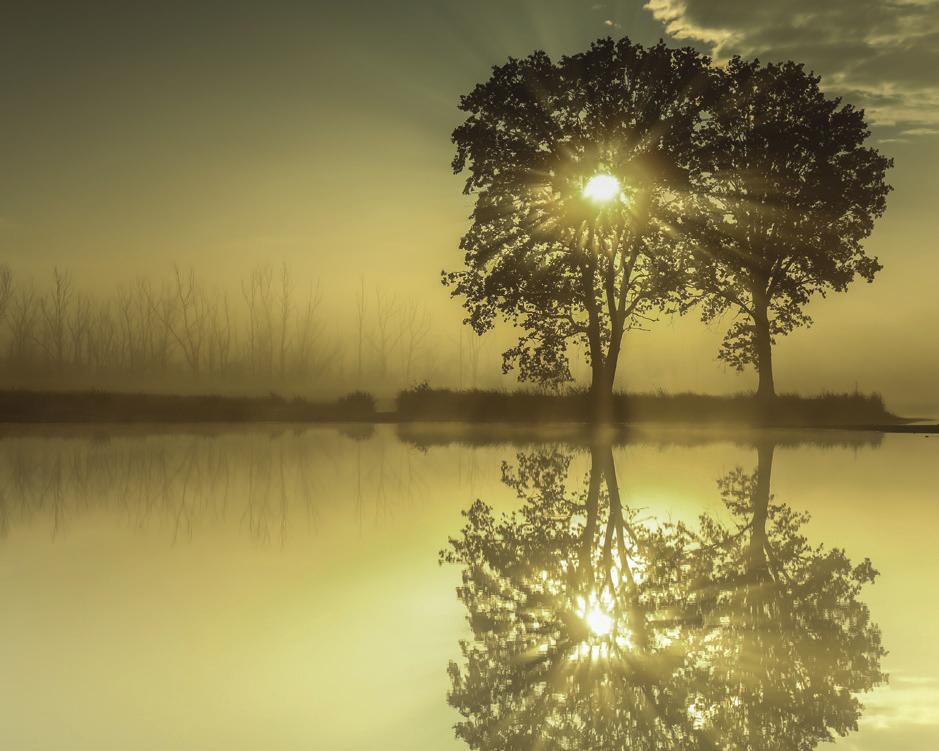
908,700
881,55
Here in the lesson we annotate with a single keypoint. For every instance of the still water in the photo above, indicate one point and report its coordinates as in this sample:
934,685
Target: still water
442,588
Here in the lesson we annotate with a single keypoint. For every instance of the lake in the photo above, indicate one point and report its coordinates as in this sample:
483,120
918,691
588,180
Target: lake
446,587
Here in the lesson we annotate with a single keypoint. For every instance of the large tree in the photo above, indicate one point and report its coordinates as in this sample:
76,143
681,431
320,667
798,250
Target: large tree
562,267
787,191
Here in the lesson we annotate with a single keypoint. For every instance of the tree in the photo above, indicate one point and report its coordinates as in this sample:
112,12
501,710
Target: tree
22,319
559,267
55,312
786,191
187,318
6,289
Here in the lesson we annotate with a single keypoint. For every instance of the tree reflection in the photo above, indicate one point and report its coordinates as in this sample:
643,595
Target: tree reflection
597,627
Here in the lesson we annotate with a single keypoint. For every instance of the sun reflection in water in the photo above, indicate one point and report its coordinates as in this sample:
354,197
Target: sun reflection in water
599,623
605,632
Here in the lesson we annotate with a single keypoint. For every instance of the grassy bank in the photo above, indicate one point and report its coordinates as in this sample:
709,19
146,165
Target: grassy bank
519,435
424,404
20,406
523,408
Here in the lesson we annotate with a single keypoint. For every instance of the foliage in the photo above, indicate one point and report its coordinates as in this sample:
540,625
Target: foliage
537,253
785,190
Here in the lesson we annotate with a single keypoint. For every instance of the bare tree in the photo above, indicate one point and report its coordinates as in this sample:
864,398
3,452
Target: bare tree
220,335
6,289
314,355
159,309
386,335
187,323
127,342
78,323
258,293
284,322
415,322
360,311
22,318
101,339
54,312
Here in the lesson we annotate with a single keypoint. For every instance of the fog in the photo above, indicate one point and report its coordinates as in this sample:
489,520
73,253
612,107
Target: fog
275,329
136,142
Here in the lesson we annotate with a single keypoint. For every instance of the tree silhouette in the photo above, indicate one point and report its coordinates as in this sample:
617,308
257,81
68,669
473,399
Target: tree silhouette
596,627
559,268
787,191
790,644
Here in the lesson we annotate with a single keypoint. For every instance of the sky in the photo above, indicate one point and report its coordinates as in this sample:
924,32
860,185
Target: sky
220,135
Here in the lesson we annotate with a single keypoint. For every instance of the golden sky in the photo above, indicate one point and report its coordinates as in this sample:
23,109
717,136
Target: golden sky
318,134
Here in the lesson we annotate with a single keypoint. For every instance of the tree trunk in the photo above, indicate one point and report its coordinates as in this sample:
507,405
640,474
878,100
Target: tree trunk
764,348
760,500
585,571
603,364
601,391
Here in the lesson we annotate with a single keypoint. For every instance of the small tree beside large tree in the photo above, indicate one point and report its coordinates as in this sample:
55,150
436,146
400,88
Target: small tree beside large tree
787,191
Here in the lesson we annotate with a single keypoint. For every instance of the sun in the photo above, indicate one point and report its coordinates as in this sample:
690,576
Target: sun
599,623
602,188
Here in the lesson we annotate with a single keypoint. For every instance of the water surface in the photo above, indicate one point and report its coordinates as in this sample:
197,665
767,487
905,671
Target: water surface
274,588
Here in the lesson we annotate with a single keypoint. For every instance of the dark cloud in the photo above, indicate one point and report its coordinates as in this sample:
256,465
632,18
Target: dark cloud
882,55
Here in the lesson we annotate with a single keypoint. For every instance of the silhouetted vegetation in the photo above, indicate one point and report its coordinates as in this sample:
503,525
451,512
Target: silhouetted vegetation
565,269
100,406
576,406
742,188
785,191
443,405
182,333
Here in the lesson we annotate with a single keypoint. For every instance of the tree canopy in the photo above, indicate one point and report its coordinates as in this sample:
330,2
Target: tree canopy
787,190
743,188
538,253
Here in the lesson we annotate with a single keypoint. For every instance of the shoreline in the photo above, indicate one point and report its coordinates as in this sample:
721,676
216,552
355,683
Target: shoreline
524,410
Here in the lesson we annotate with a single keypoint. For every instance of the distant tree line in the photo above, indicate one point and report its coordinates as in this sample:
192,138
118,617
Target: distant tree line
273,331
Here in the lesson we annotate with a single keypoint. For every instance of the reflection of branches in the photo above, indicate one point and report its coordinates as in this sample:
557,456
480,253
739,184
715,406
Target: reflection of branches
569,632
257,510
183,519
261,483
595,628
